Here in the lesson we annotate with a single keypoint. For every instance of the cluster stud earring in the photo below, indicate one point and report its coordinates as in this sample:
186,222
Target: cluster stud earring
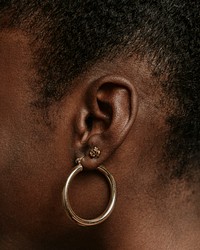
94,152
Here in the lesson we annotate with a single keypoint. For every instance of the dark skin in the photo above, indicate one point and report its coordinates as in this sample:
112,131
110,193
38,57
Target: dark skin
128,125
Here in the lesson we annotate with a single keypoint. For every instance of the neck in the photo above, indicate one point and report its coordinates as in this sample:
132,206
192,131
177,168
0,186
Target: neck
142,221
170,221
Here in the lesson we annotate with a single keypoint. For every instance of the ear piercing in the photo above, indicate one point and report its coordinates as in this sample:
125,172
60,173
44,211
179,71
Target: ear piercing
95,152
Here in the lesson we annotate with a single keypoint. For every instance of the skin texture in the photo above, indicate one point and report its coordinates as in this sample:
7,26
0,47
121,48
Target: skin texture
114,106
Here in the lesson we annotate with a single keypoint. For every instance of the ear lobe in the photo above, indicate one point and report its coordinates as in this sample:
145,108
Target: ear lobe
107,117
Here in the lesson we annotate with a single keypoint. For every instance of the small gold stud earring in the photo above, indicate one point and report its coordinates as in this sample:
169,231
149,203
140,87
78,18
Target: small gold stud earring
95,152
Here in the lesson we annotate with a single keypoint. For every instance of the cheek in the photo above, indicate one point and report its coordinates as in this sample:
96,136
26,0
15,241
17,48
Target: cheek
35,162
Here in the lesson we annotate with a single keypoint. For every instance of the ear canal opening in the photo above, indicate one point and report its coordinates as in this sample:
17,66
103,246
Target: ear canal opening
89,122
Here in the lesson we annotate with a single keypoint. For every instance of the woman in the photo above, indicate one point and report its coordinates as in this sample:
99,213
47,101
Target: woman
92,83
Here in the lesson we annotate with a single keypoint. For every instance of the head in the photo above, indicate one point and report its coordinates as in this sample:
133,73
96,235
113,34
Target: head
119,75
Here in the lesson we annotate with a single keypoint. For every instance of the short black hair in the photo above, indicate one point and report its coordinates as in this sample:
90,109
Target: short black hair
71,35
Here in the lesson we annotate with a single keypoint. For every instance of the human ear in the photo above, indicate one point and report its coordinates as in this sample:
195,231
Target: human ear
105,118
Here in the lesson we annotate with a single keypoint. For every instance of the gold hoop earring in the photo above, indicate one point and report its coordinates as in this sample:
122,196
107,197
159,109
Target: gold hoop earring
65,195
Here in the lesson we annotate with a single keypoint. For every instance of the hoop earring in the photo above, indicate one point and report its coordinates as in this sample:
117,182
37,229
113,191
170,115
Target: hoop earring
65,195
